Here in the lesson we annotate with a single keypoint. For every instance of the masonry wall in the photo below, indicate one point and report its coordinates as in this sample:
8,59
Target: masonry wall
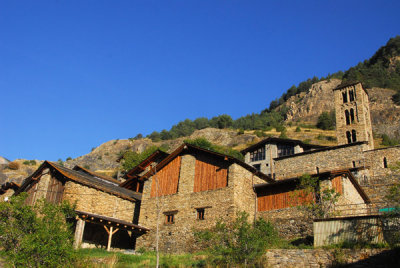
327,160
222,203
379,179
98,202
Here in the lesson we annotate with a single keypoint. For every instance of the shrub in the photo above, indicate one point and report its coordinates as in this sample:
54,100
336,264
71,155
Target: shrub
298,129
60,162
240,131
283,135
69,158
13,165
30,162
387,141
326,121
280,128
260,133
29,240
239,242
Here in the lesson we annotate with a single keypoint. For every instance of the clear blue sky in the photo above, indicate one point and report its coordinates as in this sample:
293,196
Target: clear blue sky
75,74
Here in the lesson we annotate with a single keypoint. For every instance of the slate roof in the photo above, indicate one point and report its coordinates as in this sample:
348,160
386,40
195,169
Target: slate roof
84,179
284,141
188,147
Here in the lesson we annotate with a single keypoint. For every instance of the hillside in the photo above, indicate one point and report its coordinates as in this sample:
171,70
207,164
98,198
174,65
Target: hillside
307,106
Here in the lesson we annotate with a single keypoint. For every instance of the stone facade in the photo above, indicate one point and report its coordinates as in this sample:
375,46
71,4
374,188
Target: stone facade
353,119
334,158
98,202
222,203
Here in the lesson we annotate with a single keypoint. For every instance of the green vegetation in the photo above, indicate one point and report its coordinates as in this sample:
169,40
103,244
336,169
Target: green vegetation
30,240
239,242
69,158
205,144
381,70
132,159
298,129
30,162
60,162
322,201
387,141
249,122
144,259
327,121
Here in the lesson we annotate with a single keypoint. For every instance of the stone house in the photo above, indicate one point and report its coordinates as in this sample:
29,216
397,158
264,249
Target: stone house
278,202
107,214
191,189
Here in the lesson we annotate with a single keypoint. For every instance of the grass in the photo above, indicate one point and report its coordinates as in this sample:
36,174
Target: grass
103,258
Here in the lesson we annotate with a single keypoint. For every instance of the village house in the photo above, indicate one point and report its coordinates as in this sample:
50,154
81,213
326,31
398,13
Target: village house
107,214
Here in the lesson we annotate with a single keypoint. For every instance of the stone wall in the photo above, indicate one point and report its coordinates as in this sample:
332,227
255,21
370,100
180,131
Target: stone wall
98,202
325,160
222,203
330,258
290,222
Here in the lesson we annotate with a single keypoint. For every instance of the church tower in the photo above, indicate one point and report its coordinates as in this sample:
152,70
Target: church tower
353,119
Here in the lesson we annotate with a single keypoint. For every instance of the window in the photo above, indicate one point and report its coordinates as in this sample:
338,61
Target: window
348,135
351,95
258,154
200,213
285,149
354,163
385,165
354,135
344,94
169,218
257,166
352,115
346,113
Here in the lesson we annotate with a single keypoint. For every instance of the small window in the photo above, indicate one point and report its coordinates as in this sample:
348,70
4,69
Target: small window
352,115
354,135
200,213
348,135
344,94
351,95
347,115
257,166
169,218
354,163
385,165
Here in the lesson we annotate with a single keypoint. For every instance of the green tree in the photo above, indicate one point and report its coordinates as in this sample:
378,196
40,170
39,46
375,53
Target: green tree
239,242
322,200
205,144
132,159
36,236
326,121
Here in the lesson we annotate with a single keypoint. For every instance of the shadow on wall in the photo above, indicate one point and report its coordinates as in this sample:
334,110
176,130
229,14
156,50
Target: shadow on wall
387,258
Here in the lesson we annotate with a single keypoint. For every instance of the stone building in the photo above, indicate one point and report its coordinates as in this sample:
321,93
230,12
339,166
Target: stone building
191,189
262,154
107,214
353,119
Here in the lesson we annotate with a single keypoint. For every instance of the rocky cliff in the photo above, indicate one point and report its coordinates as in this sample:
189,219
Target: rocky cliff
306,107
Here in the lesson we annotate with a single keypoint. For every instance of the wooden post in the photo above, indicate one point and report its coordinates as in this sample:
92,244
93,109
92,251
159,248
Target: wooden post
79,230
110,234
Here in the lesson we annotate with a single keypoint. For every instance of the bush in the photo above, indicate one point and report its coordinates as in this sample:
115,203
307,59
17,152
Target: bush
239,242
326,121
30,162
13,165
298,129
29,240
205,144
387,141
260,133
240,131
280,128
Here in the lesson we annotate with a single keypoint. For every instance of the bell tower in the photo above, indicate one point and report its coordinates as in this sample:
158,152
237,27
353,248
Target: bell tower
353,119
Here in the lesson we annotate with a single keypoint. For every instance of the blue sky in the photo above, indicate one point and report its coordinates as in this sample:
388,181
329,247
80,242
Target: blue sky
75,74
